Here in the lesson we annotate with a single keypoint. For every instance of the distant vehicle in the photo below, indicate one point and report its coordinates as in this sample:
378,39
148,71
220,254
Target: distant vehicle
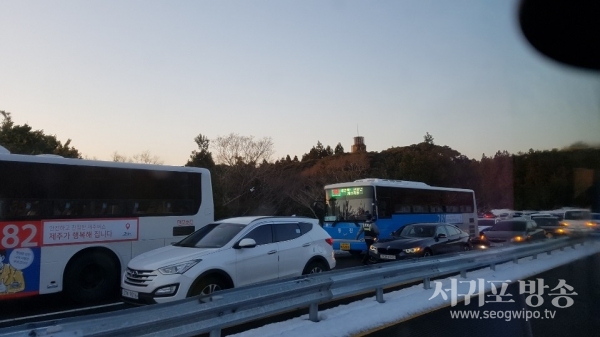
226,254
420,240
551,225
72,225
510,231
394,204
578,220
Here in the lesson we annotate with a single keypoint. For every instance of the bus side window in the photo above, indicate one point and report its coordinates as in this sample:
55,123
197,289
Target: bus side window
401,209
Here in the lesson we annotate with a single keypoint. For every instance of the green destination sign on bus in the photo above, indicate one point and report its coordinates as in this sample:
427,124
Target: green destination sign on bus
349,191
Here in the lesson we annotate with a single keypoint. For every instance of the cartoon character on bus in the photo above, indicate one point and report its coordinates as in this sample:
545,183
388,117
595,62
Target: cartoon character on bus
11,278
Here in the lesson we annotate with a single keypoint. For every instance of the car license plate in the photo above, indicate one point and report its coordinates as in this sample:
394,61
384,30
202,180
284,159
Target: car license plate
496,244
344,246
387,257
129,294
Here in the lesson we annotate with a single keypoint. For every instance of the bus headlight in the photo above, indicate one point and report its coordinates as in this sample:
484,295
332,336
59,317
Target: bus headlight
412,250
179,268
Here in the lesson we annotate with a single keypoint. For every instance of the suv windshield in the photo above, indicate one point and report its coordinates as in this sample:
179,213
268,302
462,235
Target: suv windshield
211,236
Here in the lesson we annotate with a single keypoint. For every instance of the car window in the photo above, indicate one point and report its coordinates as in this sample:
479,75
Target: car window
418,231
286,231
452,230
262,235
577,215
546,222
305,227
441,230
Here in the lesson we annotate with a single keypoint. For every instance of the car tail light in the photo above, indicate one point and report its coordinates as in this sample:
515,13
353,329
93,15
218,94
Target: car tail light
329,241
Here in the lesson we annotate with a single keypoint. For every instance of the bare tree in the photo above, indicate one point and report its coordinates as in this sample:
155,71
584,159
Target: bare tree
233,149
145,158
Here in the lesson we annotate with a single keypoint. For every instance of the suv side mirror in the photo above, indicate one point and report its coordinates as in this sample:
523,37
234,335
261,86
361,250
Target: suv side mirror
245,243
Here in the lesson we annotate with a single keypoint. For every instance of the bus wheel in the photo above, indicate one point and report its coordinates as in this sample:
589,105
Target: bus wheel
90,278
207,286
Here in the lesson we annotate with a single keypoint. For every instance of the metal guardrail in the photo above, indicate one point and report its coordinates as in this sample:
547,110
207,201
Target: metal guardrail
211,314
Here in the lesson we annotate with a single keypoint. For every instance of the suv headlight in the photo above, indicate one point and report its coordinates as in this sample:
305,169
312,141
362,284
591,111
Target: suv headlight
373,249
179,268
412,250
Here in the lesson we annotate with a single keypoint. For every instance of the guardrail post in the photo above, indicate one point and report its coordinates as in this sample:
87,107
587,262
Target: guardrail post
549,252
516,260
426,283
379,295
493,266
313,312
463,273
534,257
215,333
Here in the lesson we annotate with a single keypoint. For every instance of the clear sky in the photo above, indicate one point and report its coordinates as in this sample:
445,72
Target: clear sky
135,76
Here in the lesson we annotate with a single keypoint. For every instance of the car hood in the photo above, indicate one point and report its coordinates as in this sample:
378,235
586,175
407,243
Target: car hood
402,242
502,234
166,256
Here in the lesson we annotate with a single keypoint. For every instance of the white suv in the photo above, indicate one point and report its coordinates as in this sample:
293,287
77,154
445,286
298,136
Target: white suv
229,253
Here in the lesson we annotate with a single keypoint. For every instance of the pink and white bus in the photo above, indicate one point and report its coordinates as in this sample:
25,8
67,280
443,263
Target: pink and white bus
72,225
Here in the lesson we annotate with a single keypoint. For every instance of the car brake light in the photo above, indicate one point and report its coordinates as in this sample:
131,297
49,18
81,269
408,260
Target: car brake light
329,241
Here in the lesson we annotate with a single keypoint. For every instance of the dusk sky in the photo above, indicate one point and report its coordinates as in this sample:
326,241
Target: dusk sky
135,76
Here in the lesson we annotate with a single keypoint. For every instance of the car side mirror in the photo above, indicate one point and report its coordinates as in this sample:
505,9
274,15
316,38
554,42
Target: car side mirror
441,236
245,243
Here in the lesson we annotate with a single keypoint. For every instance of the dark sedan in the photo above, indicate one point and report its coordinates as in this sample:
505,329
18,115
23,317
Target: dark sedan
551,225
516,230
419,240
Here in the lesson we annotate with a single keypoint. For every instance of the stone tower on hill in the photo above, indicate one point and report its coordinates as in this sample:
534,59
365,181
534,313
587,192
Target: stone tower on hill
359,145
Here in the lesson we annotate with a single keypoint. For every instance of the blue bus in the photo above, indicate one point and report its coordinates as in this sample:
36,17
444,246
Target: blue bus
394,204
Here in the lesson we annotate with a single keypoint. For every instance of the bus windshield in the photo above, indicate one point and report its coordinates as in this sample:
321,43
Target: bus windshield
348,204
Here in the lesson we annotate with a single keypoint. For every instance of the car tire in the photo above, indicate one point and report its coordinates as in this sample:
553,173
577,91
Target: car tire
206,286
427,252
90,278
314,267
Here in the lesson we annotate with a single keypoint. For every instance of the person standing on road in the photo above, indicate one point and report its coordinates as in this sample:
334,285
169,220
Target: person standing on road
371,232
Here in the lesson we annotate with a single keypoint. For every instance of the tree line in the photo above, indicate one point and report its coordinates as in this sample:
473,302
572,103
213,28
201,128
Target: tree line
246,181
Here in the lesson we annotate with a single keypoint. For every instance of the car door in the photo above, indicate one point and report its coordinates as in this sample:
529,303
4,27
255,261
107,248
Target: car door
440,245
294,248
454,243
260,263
